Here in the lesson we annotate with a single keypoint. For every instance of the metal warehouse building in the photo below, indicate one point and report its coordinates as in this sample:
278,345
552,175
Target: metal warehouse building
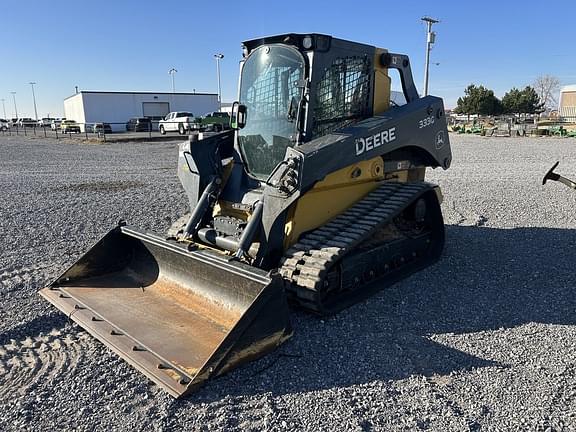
567,107
117,107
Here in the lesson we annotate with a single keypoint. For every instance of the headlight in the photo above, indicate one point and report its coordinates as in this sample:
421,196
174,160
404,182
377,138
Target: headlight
307,42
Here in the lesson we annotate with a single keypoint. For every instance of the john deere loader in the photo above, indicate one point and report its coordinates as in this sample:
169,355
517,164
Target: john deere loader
315,198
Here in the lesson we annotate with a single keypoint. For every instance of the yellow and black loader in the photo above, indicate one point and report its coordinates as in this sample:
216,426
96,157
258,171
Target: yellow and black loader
315,198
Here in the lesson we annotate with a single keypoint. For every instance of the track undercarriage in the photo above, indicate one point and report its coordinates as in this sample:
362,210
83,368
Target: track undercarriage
393,232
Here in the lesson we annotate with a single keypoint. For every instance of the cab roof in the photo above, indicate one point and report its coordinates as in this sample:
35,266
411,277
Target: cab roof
295,38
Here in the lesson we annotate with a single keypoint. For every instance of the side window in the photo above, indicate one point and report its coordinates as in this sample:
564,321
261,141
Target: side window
342,94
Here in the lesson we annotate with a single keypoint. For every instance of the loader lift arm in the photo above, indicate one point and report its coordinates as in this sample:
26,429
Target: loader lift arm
314,160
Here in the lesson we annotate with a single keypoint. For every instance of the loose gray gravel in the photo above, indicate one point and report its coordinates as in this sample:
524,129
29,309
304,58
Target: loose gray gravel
483,340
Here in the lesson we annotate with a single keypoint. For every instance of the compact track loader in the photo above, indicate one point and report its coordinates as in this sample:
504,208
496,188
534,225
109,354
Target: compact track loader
316,198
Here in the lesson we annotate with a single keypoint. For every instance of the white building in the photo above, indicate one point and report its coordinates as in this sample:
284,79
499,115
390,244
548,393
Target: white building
226,107
397,98
117,107
567,103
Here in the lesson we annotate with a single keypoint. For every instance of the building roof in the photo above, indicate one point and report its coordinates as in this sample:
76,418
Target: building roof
568,88
140,92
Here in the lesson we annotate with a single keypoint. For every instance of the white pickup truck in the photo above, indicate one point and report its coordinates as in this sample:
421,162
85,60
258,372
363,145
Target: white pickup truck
180,121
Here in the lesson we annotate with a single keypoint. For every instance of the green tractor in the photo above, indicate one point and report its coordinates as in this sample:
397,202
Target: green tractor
213,122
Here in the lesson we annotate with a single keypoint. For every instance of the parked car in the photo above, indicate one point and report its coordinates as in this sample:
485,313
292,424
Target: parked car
99,128
45,122
181,121
139,124
4,125
155,121
55,124
13,122
214,121
69,126
27,122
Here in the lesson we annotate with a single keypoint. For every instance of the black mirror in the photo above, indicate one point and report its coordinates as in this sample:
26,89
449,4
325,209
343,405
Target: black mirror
292,109
238,116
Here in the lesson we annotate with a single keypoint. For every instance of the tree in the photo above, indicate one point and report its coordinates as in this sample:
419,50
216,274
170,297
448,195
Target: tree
524,101
511,101
547,87
478,100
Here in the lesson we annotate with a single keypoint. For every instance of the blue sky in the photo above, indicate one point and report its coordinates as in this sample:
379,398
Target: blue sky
129,45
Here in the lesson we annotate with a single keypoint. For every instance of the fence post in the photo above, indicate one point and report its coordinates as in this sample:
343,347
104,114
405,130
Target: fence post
85,131
44,131
150,129
24,127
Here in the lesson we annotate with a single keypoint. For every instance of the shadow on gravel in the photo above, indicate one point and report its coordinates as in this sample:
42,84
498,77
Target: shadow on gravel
42,324
487,279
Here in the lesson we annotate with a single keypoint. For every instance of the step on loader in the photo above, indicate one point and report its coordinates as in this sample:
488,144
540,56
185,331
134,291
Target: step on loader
315,198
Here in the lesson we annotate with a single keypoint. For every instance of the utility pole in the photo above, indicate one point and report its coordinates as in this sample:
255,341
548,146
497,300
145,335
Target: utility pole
15,109
430,39
219,57
34,98
172,72
4,108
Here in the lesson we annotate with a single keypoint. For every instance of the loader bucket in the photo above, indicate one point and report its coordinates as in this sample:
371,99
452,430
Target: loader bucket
179,316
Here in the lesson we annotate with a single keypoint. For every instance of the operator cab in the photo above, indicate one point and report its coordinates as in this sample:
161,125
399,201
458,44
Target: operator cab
295,88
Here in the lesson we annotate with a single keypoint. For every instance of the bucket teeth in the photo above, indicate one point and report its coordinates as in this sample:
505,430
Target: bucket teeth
178,316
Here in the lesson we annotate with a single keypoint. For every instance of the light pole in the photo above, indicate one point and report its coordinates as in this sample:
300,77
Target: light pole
172,72
15,109
430,39
219,57
4,108
34,99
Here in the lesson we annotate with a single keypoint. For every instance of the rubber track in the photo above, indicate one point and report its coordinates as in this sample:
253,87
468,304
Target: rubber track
306,264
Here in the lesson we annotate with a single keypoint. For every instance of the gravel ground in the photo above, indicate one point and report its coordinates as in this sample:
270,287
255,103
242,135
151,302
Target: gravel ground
483,340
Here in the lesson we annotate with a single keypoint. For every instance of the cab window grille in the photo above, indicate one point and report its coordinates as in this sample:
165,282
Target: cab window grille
269,97
342,95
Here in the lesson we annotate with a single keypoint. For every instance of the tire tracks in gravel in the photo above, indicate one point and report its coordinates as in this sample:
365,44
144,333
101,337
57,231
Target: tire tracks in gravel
38,360
473,219
11,279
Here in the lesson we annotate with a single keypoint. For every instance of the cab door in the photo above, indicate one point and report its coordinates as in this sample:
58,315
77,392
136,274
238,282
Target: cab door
171,125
